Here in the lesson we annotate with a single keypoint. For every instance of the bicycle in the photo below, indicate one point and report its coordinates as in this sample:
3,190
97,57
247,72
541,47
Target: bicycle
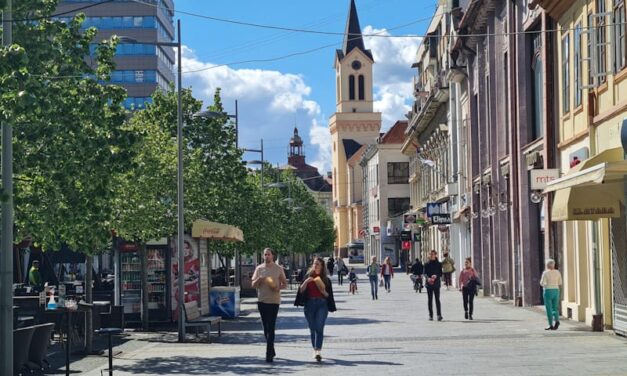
352,288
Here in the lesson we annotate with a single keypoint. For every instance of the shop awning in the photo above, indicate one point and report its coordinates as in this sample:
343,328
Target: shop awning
592,190
216,231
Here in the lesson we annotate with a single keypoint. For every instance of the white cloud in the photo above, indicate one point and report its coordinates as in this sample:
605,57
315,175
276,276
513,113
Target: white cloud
319,135
271,103
392,73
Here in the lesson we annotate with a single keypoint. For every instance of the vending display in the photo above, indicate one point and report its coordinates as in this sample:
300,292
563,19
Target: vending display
157,283
130,283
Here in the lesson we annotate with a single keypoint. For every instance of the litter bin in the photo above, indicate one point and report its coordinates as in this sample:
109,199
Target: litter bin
224,301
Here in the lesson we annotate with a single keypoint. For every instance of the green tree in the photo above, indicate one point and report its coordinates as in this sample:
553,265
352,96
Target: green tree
69,134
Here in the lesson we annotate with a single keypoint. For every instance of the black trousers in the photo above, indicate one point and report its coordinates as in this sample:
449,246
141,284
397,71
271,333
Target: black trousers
469,298
340,277
268,314
431,292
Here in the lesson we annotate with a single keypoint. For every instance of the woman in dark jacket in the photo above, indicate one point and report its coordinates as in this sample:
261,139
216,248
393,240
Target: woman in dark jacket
316,294
433,274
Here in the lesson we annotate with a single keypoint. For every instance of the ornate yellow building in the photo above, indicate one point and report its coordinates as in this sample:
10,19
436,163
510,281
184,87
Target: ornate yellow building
354,122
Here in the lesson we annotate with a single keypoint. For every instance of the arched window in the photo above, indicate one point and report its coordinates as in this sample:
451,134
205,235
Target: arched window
362,88
351,87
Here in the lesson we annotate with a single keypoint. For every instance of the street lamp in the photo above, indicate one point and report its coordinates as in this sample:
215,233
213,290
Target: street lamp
214,115
257,162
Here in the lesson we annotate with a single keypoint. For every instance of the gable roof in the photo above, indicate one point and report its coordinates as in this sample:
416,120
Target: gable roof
352,35
354,160
350,147
396,134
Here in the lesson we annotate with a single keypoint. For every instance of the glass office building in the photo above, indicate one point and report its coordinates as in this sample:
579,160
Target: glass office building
141,67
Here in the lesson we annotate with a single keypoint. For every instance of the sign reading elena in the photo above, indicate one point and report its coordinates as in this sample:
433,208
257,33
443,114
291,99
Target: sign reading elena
540,178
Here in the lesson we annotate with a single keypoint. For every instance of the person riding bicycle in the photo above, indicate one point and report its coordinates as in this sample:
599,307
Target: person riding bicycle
352,277
416,270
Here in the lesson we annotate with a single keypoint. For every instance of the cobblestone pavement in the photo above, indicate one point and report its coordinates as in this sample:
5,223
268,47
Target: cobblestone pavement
390,335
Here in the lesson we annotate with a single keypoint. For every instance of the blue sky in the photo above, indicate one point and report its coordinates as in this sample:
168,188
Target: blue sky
298,91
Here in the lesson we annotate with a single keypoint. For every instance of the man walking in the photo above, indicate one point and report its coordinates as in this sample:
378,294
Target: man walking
269,279
340,271
433,274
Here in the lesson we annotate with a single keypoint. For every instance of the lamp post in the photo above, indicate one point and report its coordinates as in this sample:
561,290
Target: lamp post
257,162
6,249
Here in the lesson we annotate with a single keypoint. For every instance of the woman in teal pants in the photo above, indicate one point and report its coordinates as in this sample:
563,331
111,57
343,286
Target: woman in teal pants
551,281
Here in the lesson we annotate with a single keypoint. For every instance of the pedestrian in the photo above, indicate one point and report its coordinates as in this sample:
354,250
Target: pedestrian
433,273
551,281
387,273
469,281
448,268
34,276
269,279
352,278
416,273
330,265
340,270
316,294
373,275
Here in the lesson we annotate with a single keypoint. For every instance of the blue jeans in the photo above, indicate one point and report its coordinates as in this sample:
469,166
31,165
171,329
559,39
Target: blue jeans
551,303
374,286
316,312
386,280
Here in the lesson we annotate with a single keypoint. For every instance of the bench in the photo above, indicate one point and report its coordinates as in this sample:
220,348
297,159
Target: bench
193,318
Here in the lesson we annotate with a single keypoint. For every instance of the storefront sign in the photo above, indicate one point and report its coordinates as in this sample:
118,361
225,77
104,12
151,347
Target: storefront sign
540,178
405,235
417,237
441,219
602,211
376,229
435,208
410,218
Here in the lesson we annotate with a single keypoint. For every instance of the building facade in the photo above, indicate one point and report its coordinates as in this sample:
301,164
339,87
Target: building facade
354,123
385,194
141,66
591,61
316,184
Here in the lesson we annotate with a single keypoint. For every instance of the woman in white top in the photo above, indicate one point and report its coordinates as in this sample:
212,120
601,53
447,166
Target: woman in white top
551,281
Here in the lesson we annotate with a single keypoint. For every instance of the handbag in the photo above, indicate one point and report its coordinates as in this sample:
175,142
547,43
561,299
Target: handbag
381,283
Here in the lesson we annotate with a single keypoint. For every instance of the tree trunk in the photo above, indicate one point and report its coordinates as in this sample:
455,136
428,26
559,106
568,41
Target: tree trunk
89,322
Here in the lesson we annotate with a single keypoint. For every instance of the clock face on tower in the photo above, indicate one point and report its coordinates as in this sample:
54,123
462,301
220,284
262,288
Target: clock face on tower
356,65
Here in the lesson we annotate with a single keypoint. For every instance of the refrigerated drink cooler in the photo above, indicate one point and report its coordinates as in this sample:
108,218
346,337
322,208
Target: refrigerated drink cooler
151,267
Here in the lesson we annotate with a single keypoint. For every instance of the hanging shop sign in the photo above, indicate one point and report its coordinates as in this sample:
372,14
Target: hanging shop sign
438,214
405,235
539,178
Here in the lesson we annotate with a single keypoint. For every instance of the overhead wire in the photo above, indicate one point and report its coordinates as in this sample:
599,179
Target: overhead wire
78,9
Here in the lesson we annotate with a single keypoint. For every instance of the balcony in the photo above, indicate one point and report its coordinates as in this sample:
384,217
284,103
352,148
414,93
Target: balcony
429,101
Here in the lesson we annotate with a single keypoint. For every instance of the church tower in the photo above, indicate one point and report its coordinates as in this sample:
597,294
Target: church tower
354,123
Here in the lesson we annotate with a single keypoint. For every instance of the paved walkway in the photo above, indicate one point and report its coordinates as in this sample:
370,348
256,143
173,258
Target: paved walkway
391,335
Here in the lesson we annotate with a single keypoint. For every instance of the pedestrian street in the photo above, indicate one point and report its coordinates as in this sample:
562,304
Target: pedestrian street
390,335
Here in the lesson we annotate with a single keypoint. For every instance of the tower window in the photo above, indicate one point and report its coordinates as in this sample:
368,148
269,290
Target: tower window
362,90
351,87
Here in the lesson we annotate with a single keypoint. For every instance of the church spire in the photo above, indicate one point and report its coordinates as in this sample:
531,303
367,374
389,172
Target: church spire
352,36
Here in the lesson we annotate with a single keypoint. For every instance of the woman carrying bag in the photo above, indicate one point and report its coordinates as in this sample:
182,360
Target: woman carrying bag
316,295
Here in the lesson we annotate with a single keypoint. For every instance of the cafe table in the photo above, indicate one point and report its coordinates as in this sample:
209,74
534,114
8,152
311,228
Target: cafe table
68,336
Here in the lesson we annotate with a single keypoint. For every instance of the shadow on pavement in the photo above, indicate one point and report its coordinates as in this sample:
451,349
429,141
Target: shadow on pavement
241,365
